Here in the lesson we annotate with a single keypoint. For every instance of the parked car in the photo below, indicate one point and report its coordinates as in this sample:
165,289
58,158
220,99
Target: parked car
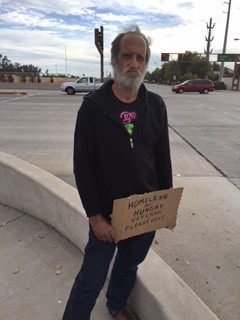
194,85
84,84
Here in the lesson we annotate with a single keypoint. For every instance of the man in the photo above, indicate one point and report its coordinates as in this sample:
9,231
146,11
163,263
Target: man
121,148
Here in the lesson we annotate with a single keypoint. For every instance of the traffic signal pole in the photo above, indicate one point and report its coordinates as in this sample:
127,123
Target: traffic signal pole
99,44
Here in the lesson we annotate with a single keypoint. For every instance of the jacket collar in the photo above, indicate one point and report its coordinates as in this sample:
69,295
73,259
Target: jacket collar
101,96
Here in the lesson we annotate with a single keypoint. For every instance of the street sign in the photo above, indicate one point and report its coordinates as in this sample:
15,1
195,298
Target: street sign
227,57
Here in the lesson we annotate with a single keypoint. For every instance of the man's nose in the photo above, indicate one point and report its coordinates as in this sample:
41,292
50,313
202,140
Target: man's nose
134,62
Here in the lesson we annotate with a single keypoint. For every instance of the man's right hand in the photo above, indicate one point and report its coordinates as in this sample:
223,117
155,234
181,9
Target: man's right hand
102,228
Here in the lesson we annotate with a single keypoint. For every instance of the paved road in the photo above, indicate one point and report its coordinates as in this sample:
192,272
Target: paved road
204,248
205,135
210,124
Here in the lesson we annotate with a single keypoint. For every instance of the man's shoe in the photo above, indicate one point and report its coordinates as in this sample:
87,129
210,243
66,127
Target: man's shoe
123,314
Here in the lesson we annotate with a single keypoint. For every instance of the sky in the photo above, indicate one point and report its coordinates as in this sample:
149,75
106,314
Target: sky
58,36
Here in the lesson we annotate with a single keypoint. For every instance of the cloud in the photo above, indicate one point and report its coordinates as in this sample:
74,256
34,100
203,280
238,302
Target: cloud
188,5
38,32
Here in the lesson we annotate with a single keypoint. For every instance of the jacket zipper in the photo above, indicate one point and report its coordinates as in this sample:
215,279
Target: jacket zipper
131,142
126,133
131,139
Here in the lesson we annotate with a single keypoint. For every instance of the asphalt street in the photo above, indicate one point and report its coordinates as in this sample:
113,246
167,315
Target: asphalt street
205,141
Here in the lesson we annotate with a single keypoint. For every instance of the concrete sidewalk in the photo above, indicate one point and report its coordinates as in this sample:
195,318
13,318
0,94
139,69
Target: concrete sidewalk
38,267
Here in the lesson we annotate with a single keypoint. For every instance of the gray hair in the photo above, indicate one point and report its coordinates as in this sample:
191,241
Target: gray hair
128,31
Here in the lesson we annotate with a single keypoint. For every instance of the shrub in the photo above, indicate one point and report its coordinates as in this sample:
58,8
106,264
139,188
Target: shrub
187,76
219,85
10,78
23,79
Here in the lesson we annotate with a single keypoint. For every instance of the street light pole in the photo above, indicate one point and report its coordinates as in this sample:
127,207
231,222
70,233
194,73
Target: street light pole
225,40
66,60
236,72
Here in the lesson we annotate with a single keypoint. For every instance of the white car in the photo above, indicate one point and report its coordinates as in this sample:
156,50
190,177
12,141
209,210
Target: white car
84,84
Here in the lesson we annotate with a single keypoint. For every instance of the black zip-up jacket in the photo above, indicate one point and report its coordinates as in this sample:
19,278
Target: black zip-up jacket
109,163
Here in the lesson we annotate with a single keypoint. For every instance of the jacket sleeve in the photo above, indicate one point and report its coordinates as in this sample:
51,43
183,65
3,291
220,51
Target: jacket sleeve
163,155
83,160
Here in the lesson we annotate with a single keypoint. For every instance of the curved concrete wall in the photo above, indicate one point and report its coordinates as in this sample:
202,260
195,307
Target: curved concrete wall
159,294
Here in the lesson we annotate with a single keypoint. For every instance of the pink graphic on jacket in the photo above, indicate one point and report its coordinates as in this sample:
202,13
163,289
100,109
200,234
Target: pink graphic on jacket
128,117
128,120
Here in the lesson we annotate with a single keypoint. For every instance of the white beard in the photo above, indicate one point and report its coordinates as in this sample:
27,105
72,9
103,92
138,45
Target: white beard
126,80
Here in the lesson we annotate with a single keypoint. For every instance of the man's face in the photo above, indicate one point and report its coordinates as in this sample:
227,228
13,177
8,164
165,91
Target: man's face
130,66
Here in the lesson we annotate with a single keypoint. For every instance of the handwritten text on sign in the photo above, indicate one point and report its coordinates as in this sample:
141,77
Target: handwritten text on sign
138,214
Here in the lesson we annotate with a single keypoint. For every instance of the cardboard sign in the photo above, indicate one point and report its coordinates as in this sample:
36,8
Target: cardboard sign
138,214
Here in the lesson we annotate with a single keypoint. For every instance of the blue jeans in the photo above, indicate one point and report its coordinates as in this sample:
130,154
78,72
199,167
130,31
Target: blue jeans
92,275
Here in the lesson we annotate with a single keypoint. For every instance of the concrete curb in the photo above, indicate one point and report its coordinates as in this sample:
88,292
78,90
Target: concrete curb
159,292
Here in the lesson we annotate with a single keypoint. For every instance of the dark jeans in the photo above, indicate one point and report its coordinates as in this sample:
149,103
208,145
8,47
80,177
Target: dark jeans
92,275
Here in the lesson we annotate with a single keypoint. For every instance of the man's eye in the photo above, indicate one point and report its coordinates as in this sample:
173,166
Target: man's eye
140,58
127,56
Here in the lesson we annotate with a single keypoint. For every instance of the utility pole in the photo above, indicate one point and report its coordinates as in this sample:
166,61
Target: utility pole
209,38
225,40
66,61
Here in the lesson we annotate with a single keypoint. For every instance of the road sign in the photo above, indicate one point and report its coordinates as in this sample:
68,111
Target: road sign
227,57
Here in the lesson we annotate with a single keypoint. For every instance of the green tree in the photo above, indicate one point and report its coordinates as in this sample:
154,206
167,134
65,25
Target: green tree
8,66
188,76
154,76
172,72
147,76
5,63
216,66
193,63
164,72
192,66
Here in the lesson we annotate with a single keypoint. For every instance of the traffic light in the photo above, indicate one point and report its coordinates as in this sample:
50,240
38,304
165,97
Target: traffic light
99,39
180,56
164,56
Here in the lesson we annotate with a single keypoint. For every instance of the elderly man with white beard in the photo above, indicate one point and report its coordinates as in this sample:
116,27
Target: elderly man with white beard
121,148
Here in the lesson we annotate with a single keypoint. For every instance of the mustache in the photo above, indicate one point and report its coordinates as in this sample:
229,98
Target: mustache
129,70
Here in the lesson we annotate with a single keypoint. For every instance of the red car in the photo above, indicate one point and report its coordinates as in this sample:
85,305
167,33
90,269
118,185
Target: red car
195,85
